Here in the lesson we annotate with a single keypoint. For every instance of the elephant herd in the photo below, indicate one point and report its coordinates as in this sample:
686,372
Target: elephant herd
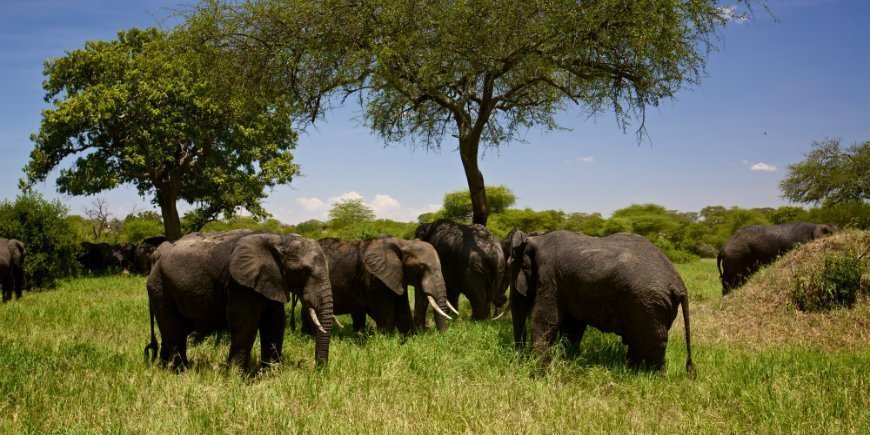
562,282
134,258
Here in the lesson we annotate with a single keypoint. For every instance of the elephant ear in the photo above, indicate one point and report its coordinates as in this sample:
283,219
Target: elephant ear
256,263
383,259
422,232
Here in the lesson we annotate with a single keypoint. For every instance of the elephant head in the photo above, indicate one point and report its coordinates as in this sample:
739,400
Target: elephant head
422,231
274,265
397,262
822,230
523,284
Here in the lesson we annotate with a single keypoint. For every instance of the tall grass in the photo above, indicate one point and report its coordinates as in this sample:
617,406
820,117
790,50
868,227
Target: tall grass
72,360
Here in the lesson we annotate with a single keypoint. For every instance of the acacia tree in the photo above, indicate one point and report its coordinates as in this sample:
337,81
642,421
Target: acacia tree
830,175
477,70
139,110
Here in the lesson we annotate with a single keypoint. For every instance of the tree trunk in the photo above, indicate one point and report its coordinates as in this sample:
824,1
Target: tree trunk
171,221
468,149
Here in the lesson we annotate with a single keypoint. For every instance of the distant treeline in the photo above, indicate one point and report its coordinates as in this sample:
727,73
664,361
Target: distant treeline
53,237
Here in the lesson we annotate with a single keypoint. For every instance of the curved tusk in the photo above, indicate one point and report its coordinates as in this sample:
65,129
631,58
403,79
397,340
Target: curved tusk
337,323
452,308
503,312
435,307
313,316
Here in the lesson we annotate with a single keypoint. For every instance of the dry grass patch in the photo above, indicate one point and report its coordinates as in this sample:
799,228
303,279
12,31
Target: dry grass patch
762,314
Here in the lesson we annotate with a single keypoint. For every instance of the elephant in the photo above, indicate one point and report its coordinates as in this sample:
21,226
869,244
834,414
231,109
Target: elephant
123,256
144,250
752,247
372,277
96,257
12,254
237,281
472,263
621,283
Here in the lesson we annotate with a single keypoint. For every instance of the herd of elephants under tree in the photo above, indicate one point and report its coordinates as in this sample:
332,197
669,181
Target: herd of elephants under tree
239,282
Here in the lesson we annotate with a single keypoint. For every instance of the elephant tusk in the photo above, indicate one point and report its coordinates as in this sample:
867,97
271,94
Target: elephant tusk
452,308
337,323
503,312
313,315
435,307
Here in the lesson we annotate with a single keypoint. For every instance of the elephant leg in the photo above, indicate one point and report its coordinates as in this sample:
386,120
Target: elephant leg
359,320
402,314
271,334
572,330
647,340
476,292
173,337
384,314
420,308
7,288
243,318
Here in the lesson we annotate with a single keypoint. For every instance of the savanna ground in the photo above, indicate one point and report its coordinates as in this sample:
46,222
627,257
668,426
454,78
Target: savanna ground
72,360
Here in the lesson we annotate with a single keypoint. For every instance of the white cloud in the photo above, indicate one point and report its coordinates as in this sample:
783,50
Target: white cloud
587,159
760,166
346,196
384,204
312,205
731,14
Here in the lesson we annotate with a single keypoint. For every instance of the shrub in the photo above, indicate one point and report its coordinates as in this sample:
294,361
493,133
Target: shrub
838,284
50,237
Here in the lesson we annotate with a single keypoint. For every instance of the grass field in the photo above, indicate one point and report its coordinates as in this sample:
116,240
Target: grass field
71,360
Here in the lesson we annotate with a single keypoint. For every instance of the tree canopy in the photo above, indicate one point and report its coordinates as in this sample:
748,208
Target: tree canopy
350,211
830,174
140,110
477,70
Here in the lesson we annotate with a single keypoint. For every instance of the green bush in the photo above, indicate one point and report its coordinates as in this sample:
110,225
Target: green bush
838,285
50,237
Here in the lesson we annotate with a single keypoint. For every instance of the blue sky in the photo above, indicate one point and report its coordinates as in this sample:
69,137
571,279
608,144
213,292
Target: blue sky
771,89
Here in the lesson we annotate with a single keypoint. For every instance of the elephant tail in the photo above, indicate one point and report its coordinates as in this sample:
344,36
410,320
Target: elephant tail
690,367
151,348
719,263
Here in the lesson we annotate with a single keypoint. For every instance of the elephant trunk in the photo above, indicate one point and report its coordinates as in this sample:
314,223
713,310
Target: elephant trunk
435,289
322,295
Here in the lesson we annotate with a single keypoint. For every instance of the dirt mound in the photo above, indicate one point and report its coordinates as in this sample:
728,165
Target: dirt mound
762,314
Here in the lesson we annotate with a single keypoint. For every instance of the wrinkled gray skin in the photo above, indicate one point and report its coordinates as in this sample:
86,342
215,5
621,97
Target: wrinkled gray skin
12,268
621,284
142,260
236,281
752,247
372,277
472,263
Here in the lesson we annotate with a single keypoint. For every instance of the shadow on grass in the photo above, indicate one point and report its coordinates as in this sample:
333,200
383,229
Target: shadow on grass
596,349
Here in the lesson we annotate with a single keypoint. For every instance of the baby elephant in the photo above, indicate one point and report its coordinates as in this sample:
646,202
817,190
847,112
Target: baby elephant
621,284
752,247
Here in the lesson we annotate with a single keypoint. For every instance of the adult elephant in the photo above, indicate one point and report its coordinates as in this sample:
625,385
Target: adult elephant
11,267
142,260
237,281
123,256
372,277
471,261
752,247
95,257
620,283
